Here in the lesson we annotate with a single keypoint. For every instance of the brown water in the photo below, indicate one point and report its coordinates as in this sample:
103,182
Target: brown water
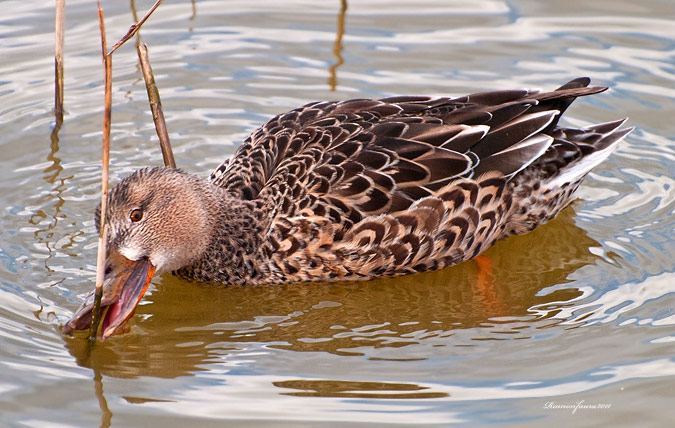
580,310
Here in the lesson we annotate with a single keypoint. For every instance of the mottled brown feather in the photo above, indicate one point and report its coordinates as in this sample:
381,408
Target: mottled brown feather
363,188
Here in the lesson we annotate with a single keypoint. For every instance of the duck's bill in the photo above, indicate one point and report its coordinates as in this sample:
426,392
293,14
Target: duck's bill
124,285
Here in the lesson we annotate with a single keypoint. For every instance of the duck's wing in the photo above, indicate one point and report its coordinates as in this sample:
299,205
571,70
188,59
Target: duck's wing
366,188
349,160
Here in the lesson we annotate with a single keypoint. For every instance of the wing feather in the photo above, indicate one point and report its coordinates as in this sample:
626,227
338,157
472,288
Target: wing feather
405,180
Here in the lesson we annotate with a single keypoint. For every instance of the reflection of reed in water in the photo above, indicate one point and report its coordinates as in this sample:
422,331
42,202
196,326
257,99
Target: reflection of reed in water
345,318
45,220
337,46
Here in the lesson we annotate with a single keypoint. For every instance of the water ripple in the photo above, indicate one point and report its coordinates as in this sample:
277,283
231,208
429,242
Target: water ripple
549,321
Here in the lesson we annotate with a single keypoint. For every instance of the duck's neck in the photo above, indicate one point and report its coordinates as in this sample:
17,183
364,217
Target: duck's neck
236,232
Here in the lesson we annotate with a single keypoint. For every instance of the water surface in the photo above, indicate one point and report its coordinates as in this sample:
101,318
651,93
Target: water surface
580,310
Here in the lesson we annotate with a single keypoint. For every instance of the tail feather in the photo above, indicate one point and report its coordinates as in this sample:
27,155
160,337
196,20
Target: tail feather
597,151
579,82
607,127
563,97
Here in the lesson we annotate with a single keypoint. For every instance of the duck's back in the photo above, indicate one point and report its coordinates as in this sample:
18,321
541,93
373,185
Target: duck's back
365,188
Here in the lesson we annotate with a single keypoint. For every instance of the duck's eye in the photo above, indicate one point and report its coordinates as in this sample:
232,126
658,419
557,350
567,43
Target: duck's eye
136,215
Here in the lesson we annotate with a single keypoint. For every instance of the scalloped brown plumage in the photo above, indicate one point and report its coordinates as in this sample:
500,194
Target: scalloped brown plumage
362,188
366,188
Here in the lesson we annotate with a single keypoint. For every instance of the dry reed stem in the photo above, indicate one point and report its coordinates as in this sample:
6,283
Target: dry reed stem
58,62
135,27
105,163
105,159
156,106
134,15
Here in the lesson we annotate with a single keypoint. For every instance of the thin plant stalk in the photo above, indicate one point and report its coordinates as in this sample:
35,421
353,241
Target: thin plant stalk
105,160
58,61
105,168
156,106
135,27
134,14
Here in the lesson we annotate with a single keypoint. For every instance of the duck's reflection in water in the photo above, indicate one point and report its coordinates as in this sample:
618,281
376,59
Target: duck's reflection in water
182,327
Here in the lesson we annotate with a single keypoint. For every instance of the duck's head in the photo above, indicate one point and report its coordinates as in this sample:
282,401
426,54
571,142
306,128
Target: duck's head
157,222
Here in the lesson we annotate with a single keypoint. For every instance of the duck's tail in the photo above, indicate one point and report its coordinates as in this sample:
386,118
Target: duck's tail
547,186
583,149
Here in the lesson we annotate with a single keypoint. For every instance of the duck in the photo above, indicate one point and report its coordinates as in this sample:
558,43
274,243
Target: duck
352,190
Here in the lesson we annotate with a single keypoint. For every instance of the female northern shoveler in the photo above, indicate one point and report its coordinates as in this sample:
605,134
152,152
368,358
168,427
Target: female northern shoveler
353,190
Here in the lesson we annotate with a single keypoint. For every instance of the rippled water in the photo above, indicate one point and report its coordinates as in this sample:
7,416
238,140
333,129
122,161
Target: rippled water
580,310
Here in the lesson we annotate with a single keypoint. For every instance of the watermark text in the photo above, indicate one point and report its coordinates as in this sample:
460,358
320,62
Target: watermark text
574,407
